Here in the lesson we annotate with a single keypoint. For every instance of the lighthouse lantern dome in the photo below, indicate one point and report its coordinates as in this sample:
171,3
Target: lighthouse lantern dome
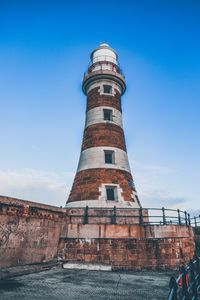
104,53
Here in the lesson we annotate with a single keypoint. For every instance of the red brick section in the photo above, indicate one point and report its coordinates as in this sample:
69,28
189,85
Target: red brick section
29,232
130,253
103,134
94,99
15,202
87,182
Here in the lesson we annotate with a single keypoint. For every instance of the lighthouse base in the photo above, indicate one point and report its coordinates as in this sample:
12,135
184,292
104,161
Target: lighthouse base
128,247
34,233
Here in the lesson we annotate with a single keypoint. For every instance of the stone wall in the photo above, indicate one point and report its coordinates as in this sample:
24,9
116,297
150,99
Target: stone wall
29,232
32,233
94,99
128,246
87,183
103,134
129,253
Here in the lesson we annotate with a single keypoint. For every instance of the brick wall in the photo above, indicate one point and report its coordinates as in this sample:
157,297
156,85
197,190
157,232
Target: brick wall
94,99
87,182
129,253
128,247
32,233
29,232
103,134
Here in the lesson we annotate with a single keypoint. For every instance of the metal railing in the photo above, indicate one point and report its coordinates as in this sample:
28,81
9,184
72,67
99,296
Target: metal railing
195,221
101,66
164,216
142,216
187,285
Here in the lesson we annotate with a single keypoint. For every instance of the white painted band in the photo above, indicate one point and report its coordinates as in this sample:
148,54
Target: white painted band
102,203
100,83
96,115
83,266
94,157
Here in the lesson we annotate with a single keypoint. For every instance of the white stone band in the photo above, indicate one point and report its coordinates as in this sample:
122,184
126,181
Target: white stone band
100,83
102,204
96,115
94,157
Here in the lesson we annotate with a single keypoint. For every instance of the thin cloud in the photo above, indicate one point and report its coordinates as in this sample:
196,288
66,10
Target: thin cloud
36,185
155,169
53,188
151,189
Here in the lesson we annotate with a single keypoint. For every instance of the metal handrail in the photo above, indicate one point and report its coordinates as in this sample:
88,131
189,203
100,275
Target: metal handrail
195,221
101,64
145,216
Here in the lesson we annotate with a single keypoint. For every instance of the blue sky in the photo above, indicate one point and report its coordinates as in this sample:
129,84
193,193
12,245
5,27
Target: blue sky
44,51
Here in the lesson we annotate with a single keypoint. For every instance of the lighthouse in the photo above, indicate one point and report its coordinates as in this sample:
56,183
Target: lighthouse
103,177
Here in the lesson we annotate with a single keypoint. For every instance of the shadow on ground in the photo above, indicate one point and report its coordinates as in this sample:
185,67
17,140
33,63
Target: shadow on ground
65,284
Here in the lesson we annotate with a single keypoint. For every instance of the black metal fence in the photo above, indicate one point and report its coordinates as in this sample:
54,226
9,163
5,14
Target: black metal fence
100,65
195,221
142,216
187,285
165,216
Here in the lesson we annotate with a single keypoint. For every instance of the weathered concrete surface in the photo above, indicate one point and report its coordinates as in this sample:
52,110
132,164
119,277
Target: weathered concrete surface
84,285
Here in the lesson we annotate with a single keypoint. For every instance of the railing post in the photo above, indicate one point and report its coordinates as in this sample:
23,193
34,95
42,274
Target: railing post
113,217
164,217
192,279
140,216
179,217
186,221
86,215
189,221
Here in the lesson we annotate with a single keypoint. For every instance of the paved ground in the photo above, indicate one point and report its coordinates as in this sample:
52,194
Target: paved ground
65,284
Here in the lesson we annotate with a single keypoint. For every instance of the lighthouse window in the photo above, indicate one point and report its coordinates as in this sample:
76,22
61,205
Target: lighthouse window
110,193
107,89
107,114
109,157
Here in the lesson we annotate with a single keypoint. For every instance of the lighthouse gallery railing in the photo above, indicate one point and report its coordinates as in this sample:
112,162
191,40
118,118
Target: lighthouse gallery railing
142,216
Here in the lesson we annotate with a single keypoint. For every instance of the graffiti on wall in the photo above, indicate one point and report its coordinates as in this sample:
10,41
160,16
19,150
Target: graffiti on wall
8,229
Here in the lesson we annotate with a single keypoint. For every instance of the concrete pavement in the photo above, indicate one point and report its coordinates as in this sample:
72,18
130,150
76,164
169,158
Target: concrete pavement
60,284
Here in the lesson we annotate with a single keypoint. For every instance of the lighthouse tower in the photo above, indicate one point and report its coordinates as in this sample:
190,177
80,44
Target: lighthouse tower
103,177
